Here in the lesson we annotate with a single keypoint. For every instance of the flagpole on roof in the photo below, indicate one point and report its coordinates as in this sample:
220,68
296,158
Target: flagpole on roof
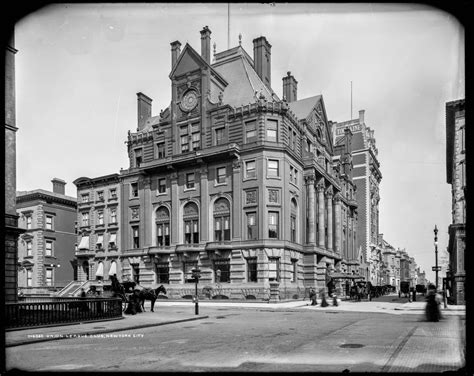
228,25
351,100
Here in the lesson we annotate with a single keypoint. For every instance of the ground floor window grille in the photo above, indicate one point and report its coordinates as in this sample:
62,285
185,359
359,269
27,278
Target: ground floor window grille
293,270
162,272
222,270
188,266
136,273
252,269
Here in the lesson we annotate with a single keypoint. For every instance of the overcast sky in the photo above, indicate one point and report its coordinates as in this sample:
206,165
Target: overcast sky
79,67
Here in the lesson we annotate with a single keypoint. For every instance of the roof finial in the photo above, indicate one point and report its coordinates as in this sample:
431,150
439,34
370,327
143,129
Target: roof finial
240,39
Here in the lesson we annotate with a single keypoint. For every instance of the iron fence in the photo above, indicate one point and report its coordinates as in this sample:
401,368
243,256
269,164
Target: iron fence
59,311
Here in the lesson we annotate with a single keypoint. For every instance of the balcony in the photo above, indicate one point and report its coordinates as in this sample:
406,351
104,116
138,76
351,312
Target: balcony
190,247
85,252
212,246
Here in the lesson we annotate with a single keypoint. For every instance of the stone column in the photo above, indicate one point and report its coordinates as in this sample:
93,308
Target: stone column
175,208
145,212
204,212
338,224
321,230
329,194
311,214
236,200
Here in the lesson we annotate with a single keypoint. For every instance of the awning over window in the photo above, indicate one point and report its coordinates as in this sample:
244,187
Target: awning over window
100,270
113,238
100,239
84,244
113,268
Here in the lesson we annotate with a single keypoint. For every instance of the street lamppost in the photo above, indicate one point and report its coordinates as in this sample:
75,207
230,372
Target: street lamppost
196,274
436,254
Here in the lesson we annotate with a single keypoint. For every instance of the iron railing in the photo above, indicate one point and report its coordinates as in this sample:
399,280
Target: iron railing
60,311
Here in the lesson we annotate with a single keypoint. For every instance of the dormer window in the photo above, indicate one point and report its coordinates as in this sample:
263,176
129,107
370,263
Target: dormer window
138,157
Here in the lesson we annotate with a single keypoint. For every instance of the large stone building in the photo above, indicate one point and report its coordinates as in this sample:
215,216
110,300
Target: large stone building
46,248
228,178
11,230
456,176
367,177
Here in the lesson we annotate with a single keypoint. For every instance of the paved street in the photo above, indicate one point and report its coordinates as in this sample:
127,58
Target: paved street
243,338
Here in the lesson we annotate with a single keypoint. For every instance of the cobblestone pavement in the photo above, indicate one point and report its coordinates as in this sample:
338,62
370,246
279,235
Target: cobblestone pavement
287,338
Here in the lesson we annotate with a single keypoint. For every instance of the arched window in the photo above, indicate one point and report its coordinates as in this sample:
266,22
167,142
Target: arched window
162,226
221,220
293,216
191,223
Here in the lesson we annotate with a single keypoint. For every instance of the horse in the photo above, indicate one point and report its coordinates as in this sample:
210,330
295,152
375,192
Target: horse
151,295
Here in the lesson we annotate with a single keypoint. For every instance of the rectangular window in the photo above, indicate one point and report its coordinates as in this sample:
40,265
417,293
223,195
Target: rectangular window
113,193
100,241
220,133
112,240
290,137
293,228
161,150
221,175
196,136
135,237
250,169
49,277
183,132
251,131
295,176
100,196
28,222
252,229
49,222
162,272
221,228
272,130
163,234
100,217
162,185
273,168
252,269
85,219
273,269
49,248
29,248
191,231
273,225
190,180
295,140
29,277
134,189
222,270
113,215
85,197
188,266
138,157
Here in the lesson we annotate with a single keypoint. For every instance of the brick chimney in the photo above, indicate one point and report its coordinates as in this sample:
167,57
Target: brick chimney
262,59
361,116
175,51
144,109
206,44
290,88
59,186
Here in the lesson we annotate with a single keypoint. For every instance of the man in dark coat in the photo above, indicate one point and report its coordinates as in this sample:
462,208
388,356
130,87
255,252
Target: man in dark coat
134,306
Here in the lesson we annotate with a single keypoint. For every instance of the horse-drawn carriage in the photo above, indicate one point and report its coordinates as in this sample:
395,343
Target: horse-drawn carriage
404,289
133,295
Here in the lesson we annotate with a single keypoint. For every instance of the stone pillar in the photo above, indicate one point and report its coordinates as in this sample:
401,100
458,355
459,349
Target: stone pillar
274,292
311,214
321,230
174,208
204,212
330,214
236,200
145,213
338,224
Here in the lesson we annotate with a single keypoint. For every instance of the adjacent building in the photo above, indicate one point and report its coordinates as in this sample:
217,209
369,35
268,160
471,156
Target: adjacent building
367,177
228,178
46,248
456,177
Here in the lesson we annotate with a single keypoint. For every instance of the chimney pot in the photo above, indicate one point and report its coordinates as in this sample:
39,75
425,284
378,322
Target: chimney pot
262,60
144,109
59,186
361,116
290,88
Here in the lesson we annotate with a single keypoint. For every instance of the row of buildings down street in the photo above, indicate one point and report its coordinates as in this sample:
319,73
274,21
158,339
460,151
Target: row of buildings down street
229,178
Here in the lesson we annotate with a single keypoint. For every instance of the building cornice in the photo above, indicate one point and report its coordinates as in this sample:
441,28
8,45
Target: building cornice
40,196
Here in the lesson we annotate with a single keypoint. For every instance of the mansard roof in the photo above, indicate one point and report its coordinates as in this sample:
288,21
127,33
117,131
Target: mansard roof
245,86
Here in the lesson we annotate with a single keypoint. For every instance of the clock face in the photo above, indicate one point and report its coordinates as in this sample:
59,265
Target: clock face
189,101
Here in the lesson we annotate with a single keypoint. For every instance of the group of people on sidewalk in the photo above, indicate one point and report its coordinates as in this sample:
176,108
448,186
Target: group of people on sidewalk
324,303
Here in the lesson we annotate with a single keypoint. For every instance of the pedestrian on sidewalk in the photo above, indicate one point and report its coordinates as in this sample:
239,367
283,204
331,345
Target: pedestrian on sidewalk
312,296
432,309
324,303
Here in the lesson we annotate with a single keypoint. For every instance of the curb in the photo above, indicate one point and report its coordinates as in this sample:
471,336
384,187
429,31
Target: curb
103,331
